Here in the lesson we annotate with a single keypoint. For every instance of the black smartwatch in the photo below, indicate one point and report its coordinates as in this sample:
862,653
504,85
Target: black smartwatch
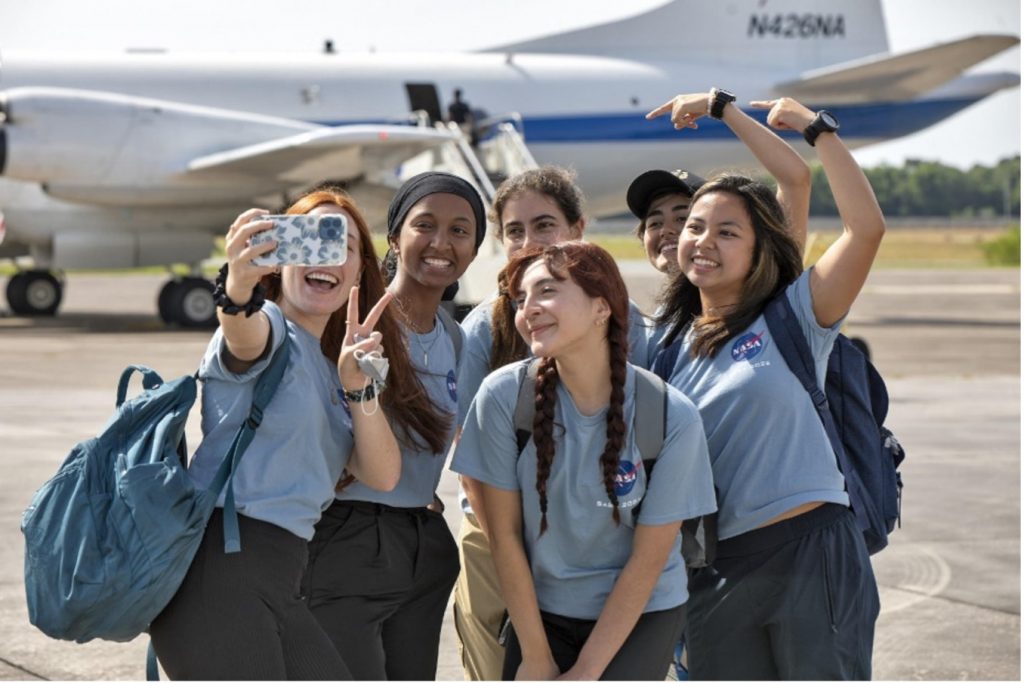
824,122
716,104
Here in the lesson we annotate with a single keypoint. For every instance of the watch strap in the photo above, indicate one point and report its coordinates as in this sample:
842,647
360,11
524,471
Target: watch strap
716,105
817,126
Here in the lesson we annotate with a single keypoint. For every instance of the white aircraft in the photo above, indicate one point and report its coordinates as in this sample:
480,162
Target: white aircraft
140,158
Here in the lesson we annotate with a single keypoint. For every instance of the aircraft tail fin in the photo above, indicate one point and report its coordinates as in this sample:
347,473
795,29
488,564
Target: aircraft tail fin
896,77
802,34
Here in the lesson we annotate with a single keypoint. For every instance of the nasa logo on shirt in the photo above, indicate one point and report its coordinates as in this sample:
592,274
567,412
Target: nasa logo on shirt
747,346
452,386
625,478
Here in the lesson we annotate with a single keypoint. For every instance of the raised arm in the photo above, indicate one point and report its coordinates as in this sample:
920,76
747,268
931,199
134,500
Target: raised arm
505,534
790,171
841,271
376,460
625,604
246,337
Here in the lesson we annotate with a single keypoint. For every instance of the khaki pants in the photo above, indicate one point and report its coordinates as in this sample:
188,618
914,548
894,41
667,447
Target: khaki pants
478,605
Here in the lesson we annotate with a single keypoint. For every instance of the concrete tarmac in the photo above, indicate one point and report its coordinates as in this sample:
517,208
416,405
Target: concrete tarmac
948,343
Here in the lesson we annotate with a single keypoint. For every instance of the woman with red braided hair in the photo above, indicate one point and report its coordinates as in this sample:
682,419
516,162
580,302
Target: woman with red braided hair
594,589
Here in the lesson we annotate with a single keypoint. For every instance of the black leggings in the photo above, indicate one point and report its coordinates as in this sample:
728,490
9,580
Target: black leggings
239,616
378,581
645,655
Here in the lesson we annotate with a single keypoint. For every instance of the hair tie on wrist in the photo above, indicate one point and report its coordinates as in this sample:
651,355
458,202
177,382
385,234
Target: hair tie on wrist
224,302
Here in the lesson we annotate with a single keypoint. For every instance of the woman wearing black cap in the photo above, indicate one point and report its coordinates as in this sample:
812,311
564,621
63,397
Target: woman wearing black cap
382,564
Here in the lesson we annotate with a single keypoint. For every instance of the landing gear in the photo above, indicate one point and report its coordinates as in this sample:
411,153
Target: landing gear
35,293
188,302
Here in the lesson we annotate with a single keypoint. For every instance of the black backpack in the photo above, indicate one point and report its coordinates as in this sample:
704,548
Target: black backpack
852,409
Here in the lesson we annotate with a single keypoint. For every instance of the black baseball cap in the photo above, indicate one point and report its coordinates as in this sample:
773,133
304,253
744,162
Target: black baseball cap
650,184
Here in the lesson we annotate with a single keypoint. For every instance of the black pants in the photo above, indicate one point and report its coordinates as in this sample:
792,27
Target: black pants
645,655
378,581
239,616
794,600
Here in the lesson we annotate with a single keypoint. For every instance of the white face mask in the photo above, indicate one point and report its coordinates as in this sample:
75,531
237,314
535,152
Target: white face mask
373,365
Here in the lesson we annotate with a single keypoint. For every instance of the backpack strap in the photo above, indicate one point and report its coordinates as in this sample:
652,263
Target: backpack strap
650,399
150,380
526,406
650,412
651,406
790,340
264,391
665,360
454,332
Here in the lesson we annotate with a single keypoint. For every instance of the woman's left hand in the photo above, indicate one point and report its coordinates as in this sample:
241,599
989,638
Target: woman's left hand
359,336
685,109
785,113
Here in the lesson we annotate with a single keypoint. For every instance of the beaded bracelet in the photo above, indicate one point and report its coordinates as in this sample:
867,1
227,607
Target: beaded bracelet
367,393
223,302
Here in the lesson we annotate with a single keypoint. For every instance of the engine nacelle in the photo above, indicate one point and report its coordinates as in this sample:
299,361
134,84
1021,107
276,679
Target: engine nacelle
115,143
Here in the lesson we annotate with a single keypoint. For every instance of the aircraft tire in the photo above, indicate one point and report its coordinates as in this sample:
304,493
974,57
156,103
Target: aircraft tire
191,303
165,299
34,293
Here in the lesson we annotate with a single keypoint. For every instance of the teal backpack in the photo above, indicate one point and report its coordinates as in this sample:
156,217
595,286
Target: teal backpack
109,539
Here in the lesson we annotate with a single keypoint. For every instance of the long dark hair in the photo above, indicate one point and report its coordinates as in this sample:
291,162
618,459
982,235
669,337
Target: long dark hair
557,184
595,271
776,263
405,402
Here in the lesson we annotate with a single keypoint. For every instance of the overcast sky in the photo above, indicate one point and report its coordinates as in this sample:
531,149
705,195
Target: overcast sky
984,133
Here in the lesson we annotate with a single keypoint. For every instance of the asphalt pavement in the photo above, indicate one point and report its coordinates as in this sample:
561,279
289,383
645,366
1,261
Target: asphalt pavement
948,343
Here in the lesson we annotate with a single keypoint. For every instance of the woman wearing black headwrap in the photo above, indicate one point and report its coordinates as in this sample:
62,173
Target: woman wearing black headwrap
382,564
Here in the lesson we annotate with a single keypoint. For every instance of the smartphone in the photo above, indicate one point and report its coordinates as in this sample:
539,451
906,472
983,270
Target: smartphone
304,240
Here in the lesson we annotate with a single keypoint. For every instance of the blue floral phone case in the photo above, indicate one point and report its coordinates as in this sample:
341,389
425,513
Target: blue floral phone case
304,240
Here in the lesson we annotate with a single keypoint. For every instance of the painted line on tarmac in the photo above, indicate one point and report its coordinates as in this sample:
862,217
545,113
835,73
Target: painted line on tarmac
924,575
21,669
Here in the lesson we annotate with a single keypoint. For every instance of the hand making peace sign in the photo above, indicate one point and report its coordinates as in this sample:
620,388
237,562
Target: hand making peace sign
359,336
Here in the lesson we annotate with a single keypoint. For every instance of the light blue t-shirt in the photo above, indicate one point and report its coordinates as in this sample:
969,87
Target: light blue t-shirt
476,361
421,469
287,475
768,448
578,559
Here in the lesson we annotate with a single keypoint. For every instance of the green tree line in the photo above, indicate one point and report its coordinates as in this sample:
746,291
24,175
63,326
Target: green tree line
929,188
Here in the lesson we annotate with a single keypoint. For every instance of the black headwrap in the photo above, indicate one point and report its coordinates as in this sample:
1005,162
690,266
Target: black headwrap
419,186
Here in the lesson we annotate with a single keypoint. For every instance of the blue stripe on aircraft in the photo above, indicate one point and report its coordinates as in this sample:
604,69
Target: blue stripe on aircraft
880,121
889,120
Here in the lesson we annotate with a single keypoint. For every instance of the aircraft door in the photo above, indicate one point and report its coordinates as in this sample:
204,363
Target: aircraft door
424,96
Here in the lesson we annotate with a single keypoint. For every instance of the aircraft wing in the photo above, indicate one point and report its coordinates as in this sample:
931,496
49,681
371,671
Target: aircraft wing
897,77
342,152
101,148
